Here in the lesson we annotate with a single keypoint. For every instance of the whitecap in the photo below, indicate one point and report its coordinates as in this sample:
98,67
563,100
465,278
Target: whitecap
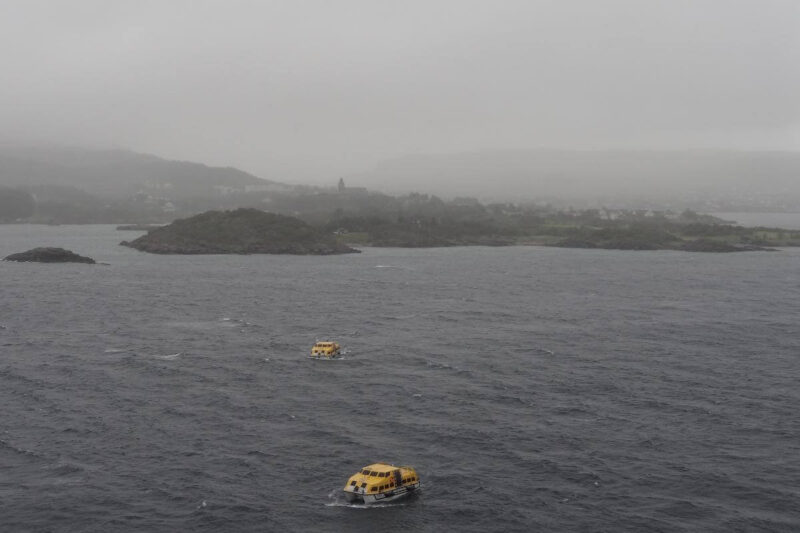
363,505
337,500
169,357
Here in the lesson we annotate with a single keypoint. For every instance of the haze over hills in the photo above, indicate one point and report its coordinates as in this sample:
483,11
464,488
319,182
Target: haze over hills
66,178
699,179
78,185
119,173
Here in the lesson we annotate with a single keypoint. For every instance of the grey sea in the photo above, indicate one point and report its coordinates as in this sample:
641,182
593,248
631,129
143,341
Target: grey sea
534,389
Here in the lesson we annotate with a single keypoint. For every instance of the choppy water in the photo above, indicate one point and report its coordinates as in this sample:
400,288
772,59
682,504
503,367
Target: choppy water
533,389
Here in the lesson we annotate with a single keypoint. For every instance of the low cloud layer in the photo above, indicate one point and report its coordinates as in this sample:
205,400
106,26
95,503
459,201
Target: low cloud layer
314,88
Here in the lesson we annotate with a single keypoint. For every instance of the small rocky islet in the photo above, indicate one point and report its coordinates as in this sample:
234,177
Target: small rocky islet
240,231
49,255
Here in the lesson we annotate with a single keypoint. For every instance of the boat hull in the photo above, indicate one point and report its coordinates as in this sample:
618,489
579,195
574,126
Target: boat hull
381,497
332,356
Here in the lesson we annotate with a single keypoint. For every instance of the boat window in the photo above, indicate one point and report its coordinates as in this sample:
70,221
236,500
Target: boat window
373,489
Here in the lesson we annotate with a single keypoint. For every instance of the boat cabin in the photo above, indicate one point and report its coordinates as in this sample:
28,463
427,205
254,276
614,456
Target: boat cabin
325,349
379,480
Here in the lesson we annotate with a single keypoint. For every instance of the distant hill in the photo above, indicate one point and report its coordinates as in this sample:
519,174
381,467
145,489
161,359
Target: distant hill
701,179
120,173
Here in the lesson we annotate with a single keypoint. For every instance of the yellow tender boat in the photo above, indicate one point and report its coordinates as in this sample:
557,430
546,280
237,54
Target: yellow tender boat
381,482
325,350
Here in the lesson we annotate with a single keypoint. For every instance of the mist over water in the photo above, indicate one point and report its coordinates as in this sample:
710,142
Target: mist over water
532,388
769,220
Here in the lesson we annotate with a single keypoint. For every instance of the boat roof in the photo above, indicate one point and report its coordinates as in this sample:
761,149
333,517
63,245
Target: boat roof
324,343
380,467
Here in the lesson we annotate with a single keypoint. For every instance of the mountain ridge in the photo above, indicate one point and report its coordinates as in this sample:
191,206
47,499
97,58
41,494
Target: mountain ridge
118,172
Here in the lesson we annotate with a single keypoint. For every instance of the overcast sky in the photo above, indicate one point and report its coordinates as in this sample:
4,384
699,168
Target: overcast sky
275,87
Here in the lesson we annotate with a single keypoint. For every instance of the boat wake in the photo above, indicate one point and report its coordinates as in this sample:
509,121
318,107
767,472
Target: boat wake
337,499
393,267
401,317
236,322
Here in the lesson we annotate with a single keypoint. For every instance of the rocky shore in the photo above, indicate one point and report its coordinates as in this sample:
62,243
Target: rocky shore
241,231
49,255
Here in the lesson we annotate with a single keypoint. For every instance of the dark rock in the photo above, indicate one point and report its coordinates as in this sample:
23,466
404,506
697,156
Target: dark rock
612,244
708,245
137,227
242,231
574,243
630,244
49,255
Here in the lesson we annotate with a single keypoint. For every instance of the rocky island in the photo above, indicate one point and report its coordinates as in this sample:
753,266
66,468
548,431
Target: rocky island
49,255
241,231
419,221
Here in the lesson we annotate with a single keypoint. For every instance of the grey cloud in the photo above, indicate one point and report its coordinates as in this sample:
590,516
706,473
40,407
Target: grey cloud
337,86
